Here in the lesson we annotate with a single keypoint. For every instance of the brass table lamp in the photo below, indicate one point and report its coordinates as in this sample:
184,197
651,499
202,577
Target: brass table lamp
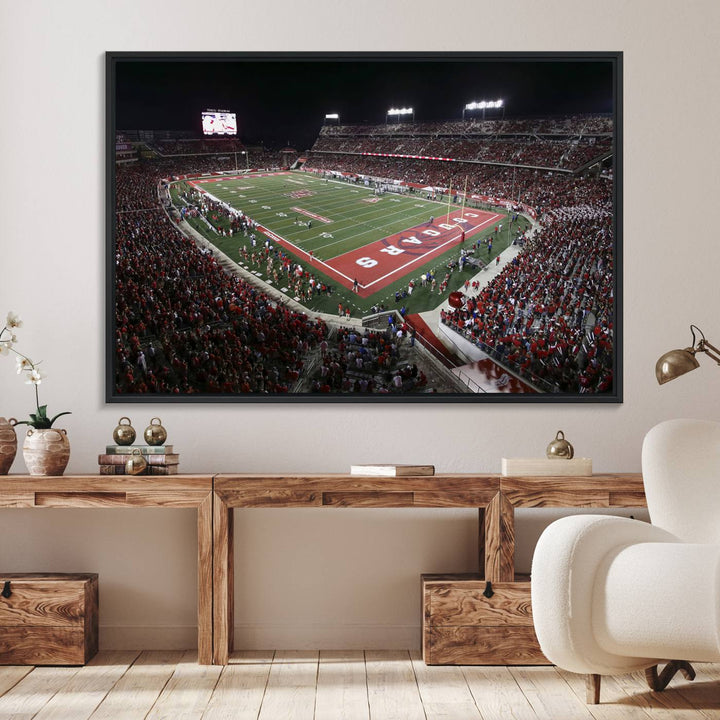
677,362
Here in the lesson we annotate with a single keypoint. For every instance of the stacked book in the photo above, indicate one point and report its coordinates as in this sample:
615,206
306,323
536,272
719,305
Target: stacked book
392,470
160,459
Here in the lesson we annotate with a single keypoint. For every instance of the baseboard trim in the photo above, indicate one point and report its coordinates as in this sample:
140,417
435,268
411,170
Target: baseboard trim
150,637
265,636
327,637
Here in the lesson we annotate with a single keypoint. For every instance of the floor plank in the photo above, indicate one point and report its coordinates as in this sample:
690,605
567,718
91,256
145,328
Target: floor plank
392,688
444,692
88,687
188,692
240,691
11,675
346,685
497,694
342,686
548,694
138,689
290,691
34,691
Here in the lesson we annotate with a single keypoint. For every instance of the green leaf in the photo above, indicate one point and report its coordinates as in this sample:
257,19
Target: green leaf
42,411
67,412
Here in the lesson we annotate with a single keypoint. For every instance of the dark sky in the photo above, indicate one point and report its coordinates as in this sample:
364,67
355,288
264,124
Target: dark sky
280,100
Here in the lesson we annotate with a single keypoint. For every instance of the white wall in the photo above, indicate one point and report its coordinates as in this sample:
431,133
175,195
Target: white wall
334,578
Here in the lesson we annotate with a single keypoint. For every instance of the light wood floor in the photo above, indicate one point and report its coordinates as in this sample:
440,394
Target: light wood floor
370,685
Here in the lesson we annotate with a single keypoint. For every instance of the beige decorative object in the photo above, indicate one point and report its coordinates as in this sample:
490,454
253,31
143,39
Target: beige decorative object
155,433
8,444
46,451
560,448
520,467
124,433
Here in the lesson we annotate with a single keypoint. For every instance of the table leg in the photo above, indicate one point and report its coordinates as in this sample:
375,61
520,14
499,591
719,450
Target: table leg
205,587
499,544
481,541
223,581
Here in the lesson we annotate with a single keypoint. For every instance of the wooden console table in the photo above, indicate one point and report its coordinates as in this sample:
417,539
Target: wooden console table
126,491
495,497
215,498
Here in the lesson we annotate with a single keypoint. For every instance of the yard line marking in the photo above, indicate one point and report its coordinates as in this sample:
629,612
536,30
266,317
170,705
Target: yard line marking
313,260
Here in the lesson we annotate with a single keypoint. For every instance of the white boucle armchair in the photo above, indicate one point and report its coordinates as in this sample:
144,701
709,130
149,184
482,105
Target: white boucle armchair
613,595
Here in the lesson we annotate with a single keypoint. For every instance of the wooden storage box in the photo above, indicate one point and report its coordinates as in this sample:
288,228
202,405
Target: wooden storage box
461,626
48,618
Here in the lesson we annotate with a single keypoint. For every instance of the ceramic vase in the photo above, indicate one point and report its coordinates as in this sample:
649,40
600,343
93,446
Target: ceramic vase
8,444
46,451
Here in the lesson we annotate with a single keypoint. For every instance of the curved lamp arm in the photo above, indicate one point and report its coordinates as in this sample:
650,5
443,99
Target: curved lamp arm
677,362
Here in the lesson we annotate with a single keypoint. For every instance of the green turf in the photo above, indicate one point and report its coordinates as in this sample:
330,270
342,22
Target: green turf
355,224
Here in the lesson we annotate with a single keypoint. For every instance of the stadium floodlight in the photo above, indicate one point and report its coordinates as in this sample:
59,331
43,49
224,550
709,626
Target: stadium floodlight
332,116
483,105
400,111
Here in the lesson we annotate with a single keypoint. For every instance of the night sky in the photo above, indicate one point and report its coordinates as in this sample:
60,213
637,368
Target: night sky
281,100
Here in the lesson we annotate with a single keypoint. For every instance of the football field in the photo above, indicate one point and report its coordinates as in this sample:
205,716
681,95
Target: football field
344,231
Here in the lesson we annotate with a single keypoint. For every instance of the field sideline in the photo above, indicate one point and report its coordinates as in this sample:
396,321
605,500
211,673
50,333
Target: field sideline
346,233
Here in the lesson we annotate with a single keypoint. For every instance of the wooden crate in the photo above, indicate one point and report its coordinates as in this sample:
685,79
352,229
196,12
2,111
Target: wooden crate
461,626
48,618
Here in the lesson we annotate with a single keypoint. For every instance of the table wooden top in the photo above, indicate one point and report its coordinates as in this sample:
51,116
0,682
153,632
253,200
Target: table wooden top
442,490
104,490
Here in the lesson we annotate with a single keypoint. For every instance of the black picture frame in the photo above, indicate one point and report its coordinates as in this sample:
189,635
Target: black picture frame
124,307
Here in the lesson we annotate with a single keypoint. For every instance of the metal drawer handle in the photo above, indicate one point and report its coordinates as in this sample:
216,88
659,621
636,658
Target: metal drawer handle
6,592
488,592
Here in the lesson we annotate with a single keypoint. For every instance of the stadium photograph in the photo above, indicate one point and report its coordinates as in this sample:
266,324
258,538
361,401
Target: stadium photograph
363,227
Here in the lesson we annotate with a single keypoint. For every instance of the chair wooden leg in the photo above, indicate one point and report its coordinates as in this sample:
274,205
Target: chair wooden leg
592,689
660,682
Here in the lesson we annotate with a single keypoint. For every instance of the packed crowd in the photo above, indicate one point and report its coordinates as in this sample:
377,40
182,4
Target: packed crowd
565,125
526,151
548,314
370,361
185,326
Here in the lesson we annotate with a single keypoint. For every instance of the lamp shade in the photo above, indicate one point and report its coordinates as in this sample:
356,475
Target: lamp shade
675,363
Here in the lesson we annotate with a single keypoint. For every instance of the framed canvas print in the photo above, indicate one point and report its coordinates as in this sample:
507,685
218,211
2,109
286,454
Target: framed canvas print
364,227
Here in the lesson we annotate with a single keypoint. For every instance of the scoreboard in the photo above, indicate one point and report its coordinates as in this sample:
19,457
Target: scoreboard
219,122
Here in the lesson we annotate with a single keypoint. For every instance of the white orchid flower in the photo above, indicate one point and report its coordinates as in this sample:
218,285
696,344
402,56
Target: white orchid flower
23,363
5,346
35,377
13,320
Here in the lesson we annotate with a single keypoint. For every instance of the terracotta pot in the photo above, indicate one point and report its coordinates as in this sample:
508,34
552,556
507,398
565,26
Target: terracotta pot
8,444
46,452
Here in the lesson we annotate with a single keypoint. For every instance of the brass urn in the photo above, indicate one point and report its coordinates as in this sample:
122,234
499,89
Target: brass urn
136,463
560,448
124,433
155,433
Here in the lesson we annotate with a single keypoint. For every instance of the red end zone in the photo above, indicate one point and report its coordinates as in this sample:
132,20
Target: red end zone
382,262
377,265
